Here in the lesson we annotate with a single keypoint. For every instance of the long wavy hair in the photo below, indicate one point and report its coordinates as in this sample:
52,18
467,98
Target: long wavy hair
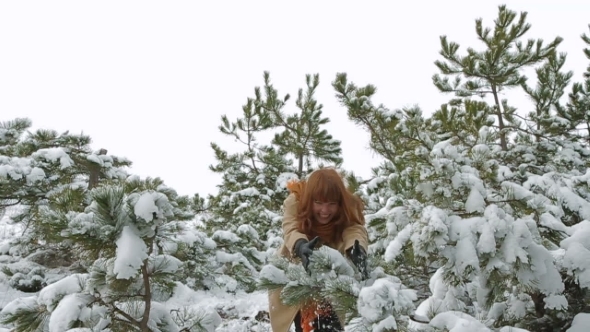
326,185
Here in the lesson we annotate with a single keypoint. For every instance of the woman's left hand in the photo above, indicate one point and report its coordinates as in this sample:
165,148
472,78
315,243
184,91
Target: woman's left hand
359,259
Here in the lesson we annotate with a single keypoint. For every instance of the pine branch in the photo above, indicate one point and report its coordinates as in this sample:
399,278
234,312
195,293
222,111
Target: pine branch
129,319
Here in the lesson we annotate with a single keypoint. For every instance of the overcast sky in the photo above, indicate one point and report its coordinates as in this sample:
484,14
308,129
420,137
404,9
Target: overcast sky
149,80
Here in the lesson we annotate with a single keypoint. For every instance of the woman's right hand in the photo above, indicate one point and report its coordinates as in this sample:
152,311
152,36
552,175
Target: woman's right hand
304,249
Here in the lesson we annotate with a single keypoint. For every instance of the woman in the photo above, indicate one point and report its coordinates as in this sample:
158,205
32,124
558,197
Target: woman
319,211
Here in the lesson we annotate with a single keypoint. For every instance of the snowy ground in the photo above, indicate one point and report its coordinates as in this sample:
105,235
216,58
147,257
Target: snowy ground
239,313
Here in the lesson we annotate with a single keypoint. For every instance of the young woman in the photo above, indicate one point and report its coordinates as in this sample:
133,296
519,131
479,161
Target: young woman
319,211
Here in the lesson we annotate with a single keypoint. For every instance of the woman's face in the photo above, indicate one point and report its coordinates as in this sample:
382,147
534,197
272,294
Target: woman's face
324,211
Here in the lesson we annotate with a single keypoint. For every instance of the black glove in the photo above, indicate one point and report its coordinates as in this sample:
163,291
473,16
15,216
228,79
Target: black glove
358,256
304,249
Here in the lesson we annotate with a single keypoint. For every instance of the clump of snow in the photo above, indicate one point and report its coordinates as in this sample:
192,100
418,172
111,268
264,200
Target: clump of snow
512,329
456,321
69,310
339,265
53,155
274,274
14,168
150,205
383,299
226,237
580,323
475,201
576,259
145,207
283,179
36,174
165,263
131,252
248,231
394,249
51,294
18,302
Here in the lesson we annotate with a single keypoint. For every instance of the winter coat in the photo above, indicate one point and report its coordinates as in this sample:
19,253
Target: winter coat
281,315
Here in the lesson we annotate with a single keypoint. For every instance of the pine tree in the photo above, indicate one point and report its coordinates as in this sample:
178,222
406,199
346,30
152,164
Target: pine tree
576,111
43,168
302,135
253,187
250,192
243,217
569,134
130,237
453,193
498,67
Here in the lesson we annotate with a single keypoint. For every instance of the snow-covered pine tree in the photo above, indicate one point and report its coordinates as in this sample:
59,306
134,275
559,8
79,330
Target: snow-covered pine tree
497,68
545,157
130,238
44,168
243,217
568,130
465,194
392,183
302,135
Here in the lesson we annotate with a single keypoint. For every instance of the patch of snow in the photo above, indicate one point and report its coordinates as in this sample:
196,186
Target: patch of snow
131,251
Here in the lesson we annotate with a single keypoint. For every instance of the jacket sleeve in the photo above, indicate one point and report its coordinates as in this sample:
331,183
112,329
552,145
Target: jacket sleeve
355,232
290,222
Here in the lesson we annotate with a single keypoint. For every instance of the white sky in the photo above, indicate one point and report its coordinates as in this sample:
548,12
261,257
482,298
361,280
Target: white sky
149,80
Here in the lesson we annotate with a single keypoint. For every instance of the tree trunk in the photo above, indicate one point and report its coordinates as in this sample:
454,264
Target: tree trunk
503,143
147,299
300,168
94,175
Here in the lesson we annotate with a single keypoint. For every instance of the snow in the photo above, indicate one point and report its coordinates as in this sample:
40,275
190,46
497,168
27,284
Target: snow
36,174
68,285
54,155
577,253
580,323
145,207
455,321
226,236
69,309
248,231
248,192
131,252
475,201
14,167
383,298
94,158
339,263
283,179
394,248
165,264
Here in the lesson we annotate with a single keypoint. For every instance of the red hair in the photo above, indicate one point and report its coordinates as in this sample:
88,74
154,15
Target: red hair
326,185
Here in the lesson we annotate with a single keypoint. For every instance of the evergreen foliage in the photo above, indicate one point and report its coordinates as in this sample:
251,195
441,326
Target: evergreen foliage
130,238
45,169
244,217
476,205
478,215
380,301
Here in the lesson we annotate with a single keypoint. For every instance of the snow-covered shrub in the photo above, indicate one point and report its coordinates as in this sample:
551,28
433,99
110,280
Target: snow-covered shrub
134,232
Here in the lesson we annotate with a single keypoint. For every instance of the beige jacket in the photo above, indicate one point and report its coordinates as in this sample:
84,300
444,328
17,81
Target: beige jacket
282,316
